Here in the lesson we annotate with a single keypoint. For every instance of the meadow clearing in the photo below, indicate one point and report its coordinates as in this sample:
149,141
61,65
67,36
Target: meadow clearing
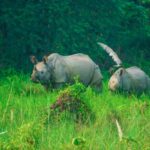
26,124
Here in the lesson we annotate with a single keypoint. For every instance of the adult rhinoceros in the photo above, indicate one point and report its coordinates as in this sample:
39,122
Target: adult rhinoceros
131,79
56,70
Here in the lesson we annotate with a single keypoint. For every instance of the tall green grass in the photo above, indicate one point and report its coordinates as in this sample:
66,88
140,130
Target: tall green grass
25,123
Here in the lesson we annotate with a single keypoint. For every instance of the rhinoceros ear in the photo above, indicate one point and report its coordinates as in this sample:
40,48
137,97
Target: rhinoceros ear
122,71
45,59
33,60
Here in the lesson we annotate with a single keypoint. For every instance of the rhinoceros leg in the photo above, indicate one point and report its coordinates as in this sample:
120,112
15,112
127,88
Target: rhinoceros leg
96,81
97,87
58,85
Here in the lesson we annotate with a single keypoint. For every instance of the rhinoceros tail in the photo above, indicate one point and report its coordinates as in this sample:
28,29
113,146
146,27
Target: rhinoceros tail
111,53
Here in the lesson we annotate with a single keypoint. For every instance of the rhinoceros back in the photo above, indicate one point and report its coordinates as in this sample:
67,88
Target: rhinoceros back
82,66
138,79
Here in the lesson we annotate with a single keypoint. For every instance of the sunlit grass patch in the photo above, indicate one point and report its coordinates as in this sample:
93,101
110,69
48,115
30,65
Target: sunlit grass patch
25,122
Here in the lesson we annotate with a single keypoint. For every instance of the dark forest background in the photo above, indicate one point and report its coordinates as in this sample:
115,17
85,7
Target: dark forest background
40,27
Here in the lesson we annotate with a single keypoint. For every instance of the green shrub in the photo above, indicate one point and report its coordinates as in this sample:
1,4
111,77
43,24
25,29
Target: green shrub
71,100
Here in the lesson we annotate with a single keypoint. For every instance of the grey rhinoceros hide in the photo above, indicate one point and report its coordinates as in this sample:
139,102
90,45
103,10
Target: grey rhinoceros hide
132,79
64,69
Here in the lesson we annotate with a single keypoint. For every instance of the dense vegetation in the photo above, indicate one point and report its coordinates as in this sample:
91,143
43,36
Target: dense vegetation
40,27
26,122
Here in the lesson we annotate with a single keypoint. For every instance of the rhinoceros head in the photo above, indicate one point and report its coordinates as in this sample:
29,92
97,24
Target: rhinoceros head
116,80
41,72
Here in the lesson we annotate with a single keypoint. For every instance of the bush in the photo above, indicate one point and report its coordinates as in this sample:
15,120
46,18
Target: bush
71,100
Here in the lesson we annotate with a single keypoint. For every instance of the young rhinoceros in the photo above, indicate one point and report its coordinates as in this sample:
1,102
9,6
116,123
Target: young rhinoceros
132,79
56,70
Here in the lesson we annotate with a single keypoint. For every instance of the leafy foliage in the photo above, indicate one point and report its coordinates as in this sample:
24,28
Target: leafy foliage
70,100
67,27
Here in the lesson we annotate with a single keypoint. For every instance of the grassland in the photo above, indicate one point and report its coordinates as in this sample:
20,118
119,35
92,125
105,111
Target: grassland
25,123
